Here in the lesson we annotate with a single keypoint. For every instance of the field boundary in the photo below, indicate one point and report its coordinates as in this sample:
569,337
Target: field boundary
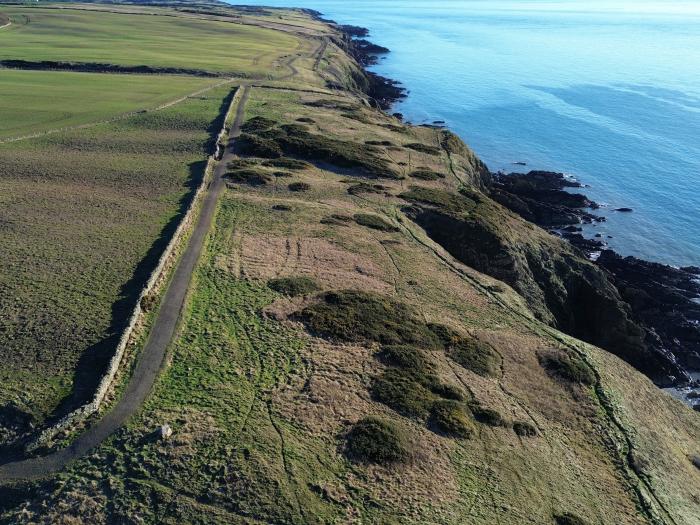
157,277
122,116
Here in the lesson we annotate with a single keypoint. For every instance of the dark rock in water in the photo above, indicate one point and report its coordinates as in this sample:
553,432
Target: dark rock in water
598,235
520,163
692,269
572,229
624,210
587,245
438,122
693,395
696,407
398,116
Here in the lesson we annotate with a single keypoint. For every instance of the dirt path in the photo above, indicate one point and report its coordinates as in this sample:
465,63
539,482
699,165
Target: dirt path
162,333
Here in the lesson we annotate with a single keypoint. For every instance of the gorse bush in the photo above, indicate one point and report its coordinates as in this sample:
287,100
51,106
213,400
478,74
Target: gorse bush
403,391
257,146
375,440
299,187
567,367
374,222
293,286
249,176
423,148
405,356
451,418
488,416
426,174
287,163
468,352
568,519
524,429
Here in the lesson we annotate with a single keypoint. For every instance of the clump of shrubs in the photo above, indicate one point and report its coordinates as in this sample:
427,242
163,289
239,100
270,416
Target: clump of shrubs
257,146
256,124
306,120
287,163
524,429
426,174
374,222
488,416
299,187
337,220
385,143
423,148
365,187
451,418
353,316
567,367
404,392
375,440
252,177
293,286
452,203
568,519
405,356
468,352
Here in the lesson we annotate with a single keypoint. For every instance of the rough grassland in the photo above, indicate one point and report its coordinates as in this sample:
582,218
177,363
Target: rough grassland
35,101
84,215
130,39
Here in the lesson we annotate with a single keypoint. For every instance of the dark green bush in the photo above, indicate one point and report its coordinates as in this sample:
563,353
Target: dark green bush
256,124
405,356
361,316
257,146
379,143
251,177
454,203
374,222
423,148
375,440
451,418
337,220
299,186
402,391
468,352
426,174
488,416
237,164
364,187
524,429
567,367
306,120
281,174
287,163
293,286
447,391
568,519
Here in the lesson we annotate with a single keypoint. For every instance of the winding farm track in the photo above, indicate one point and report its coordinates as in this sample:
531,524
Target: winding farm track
162,333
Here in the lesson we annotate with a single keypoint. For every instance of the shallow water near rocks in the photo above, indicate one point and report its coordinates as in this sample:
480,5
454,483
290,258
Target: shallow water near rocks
606,91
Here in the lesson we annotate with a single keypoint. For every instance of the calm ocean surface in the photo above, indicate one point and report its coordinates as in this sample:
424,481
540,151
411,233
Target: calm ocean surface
606,91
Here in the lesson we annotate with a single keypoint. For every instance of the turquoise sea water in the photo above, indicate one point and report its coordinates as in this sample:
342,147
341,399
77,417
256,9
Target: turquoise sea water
606,91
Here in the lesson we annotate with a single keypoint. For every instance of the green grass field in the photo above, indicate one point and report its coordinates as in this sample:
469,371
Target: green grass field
36,101
84,216
153,40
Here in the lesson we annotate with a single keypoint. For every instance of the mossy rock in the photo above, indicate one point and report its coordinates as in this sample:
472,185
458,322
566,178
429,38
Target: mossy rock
568,368
402,391
423,148
288,164
569,519
293,286
524,429
451,418
468,352
256,124
299,187
353,316
426,174
375,440
257,146
251,177
488,416
374,222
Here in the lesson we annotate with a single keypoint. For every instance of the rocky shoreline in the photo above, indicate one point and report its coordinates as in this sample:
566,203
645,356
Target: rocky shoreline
663,299
664,302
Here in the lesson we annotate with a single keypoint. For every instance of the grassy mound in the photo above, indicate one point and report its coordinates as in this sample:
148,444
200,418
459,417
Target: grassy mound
337,220
287,163
468,352
423,148
405,356
403,391
426,174
451,418
299,186
568,519
364,187
361,316
488,416
447,391
237,164
567,367
256,124
306,120
454,203
374,222
249,176
375,440
293,286
524,429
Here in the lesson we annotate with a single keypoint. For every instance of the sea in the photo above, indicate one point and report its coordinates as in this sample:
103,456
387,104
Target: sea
605,91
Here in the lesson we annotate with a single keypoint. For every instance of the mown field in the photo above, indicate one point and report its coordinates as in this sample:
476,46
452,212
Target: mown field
84,215
72,35
36,101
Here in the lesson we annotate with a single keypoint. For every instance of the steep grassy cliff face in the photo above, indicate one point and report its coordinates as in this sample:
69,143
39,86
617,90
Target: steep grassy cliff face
370,339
